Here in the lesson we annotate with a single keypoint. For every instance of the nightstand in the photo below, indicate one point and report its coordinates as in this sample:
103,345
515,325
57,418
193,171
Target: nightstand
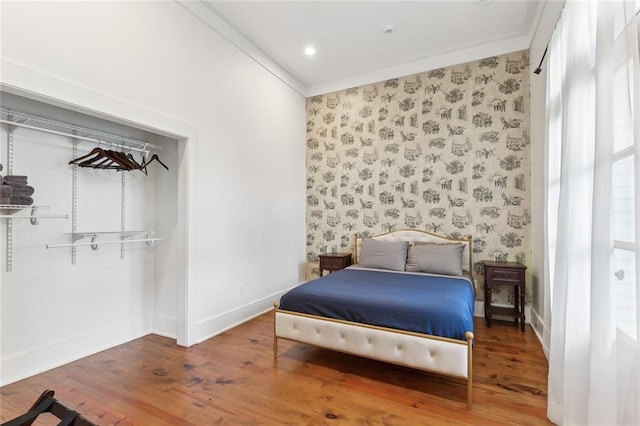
334,261
504,273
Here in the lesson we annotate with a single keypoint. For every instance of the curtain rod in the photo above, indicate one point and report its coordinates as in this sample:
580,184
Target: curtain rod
538,70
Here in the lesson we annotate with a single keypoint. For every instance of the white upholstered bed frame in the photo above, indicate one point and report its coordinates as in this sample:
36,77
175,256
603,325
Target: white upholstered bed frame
425,352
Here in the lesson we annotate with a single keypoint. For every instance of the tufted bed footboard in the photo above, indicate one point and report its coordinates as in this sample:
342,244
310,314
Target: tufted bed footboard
435,354
414,285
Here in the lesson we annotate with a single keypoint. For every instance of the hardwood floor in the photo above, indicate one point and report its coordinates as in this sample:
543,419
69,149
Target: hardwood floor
232,380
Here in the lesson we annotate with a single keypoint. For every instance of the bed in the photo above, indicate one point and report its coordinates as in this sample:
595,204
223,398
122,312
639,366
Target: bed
407,300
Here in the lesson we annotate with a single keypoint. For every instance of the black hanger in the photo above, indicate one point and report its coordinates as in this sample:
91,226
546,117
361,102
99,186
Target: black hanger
95,151
155,157
133,160
99,158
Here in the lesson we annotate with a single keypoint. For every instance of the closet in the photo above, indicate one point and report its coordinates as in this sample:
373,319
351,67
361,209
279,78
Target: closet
93,262
109,152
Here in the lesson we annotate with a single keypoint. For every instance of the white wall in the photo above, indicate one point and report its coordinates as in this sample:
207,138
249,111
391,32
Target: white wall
540,287
154,65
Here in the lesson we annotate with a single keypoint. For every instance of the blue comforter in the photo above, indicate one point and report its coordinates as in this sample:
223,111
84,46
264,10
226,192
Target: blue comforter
436,305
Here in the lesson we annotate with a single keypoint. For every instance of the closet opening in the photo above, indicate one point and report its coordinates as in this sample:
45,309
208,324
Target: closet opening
105,239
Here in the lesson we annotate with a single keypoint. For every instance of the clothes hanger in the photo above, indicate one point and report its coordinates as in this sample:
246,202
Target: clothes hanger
99,162
136,165
97,151
124,160
99,158
110,160
155,157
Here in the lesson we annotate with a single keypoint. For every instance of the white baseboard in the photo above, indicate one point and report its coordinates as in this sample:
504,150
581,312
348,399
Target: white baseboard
218,324
539,328
478,309
165,326
37,360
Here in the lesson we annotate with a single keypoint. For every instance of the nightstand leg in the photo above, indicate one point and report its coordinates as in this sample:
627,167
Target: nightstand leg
522,294
516,290
487,304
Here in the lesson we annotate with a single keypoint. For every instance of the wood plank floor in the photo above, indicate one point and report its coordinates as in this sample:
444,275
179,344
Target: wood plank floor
232,380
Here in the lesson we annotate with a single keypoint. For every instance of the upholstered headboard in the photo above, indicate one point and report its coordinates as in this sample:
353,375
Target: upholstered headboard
415,235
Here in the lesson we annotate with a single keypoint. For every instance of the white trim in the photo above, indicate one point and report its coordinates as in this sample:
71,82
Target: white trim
21,365
624,245
218,324
478,309
38,85
164,326
206,13
422,64
624,153
540,333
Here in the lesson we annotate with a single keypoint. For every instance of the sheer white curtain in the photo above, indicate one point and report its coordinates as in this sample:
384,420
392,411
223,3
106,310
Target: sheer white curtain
593,172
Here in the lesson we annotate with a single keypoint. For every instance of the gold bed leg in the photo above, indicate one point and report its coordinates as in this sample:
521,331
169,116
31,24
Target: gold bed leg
470,246
469,336
275,337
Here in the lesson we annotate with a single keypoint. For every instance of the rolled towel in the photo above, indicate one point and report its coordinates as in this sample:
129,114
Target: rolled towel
22,200
22,189
6,191
1,167
5,200
18,179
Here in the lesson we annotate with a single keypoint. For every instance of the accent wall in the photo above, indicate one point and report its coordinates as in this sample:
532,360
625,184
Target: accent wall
445,151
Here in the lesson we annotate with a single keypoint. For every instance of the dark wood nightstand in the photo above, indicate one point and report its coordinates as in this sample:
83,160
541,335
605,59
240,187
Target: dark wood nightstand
334,261
504,273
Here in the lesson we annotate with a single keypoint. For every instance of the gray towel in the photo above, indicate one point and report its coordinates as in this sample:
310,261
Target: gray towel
6,191
22,200
1,167
22,189
17,179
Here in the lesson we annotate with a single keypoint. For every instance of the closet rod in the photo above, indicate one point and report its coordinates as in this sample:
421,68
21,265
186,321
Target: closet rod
96,243
55,216
55,132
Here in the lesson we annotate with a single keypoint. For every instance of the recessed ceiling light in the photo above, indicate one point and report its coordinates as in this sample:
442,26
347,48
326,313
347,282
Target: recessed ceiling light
310,51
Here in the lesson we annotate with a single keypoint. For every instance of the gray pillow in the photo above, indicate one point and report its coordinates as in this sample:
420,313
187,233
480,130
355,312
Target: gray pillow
444,259
384,254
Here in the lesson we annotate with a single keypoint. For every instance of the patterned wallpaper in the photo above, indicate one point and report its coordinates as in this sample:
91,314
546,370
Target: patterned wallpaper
446,151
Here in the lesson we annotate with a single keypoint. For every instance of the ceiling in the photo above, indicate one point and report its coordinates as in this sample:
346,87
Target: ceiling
352,48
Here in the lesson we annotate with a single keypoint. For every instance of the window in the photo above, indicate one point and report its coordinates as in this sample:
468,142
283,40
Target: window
623,200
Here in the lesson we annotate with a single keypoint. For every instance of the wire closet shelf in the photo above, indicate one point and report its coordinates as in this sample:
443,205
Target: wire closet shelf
18,119
29,121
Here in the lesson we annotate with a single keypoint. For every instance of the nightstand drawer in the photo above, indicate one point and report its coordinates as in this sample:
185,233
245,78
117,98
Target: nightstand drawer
504,274
333,262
